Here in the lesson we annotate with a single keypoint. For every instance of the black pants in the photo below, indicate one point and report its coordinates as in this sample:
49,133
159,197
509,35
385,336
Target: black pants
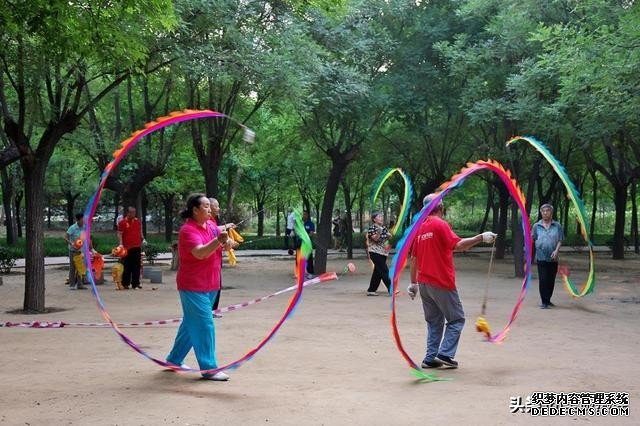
288,239
547,277
132,262
380,272
310,269
217,301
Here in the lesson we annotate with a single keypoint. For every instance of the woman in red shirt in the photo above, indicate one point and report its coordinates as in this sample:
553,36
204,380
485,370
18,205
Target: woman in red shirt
198,279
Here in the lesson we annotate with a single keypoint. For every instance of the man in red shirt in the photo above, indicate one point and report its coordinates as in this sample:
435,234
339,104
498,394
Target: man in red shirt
130,237
433,275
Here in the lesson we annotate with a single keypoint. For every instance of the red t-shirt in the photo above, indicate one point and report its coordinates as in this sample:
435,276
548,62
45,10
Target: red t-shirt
433,252
131,230
201,275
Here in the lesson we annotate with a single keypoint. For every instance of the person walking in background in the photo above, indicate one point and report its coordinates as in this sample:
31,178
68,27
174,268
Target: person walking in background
73,234
198,280
337,230
547,235
130,237
433,275
289,233
376,239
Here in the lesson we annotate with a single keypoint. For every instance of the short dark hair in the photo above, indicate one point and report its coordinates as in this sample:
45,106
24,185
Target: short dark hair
79,216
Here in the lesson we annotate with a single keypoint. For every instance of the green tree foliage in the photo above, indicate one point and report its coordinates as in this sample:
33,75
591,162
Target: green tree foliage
52,51
595,59
343,107
336,91
68,183
179,178
235,56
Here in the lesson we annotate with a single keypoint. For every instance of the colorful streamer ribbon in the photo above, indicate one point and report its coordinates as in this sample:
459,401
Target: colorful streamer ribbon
404,246
92,205
589,284
406,198
328,276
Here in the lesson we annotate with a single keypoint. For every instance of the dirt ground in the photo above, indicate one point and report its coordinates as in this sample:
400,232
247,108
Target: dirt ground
333,363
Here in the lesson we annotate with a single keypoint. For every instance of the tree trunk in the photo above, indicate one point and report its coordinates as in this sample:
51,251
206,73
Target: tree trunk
144,202
581,192
348,236
317,208
17,204
531,184
620,201
306,204
565,217
487,209
518,241
235,174
34,253
348,230
167,202
338,167
284,216
503,212
594,208
634,218
278,205
260,207
7,195
70,206
278,210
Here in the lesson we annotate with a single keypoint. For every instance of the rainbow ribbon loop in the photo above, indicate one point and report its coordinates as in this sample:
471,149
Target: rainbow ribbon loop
126,146
406,198
404,246
589,284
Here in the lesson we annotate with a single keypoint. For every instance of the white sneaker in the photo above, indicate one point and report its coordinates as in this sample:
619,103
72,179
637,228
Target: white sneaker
220,376
185,366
